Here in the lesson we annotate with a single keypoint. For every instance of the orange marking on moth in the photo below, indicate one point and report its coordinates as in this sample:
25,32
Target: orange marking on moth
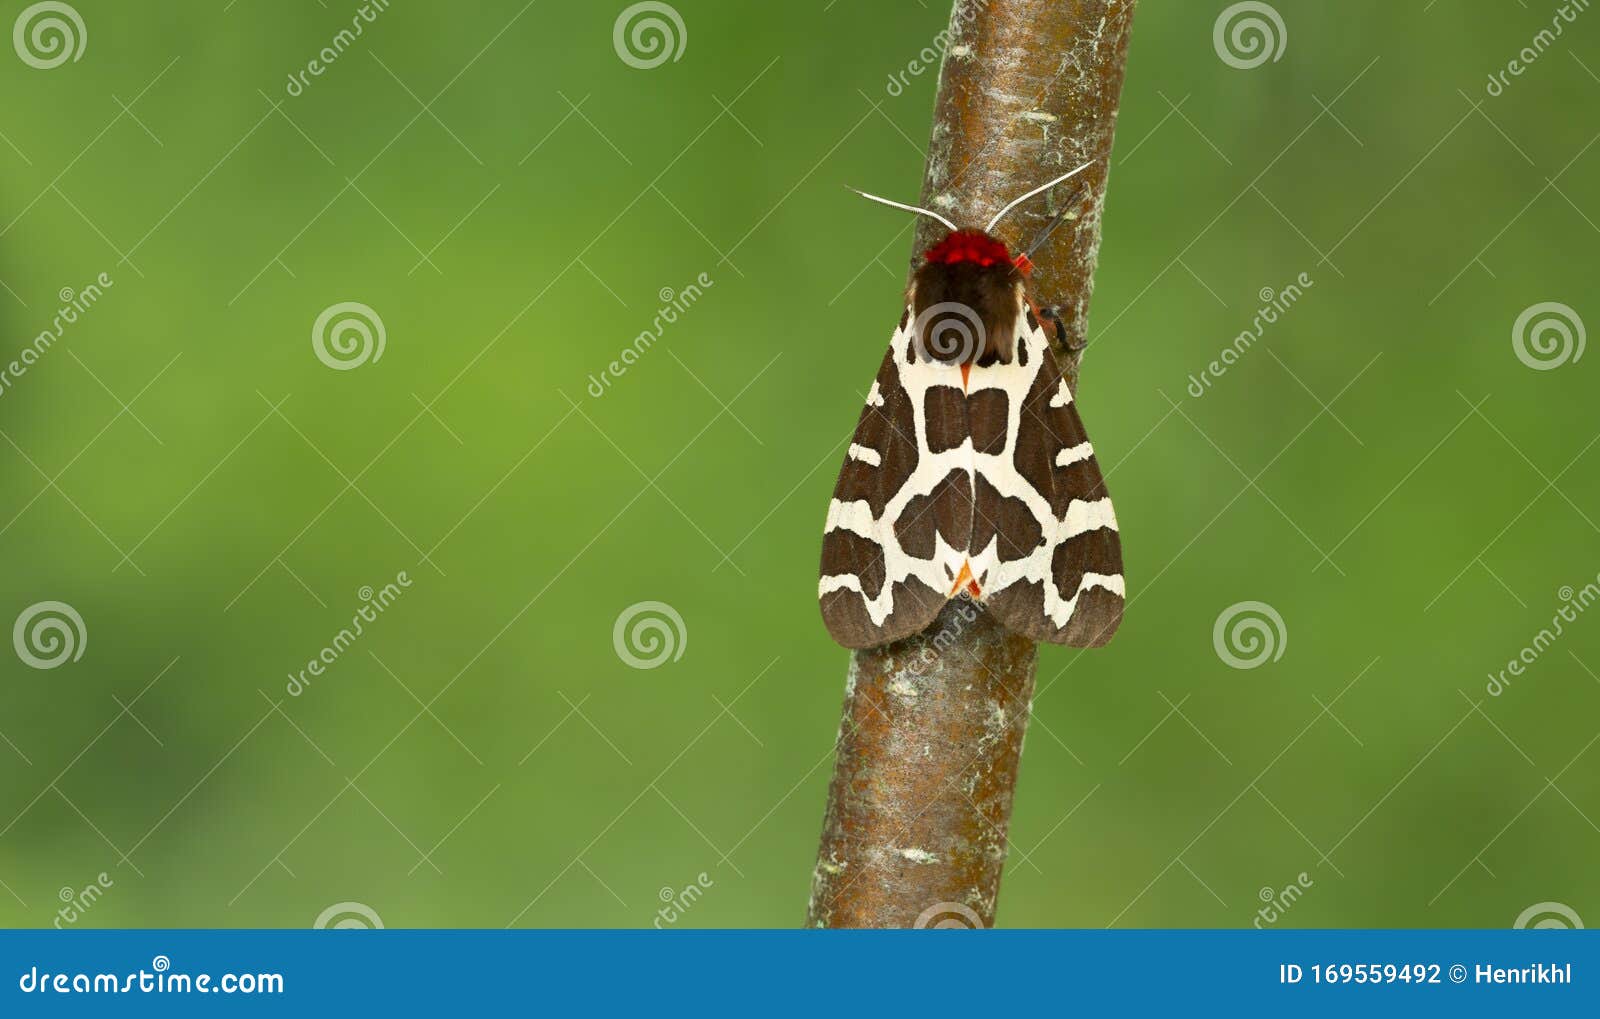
966,369
965,579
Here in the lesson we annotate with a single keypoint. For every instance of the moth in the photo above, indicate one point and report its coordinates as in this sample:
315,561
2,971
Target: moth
970,470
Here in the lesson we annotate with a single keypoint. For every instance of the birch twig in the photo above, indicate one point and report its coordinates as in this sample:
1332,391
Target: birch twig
928,751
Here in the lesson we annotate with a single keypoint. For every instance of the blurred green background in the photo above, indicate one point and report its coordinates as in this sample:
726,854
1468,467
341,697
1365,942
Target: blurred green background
512,199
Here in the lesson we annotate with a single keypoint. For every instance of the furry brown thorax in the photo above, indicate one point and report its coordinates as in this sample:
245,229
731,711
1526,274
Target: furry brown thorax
965,297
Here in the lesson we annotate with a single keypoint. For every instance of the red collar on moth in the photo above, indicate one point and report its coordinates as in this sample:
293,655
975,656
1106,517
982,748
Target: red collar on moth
977,247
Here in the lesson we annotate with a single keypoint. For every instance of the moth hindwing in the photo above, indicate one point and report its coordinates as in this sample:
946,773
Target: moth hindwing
970,470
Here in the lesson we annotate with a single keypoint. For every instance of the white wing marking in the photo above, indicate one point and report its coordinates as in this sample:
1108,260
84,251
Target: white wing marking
1088,516
1068,457
865,455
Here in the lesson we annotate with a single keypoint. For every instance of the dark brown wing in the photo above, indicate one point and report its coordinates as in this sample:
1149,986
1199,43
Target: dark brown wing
886,545
1055,570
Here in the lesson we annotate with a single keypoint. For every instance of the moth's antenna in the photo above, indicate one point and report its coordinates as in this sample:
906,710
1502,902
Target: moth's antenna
1041,188
908,208
1060,217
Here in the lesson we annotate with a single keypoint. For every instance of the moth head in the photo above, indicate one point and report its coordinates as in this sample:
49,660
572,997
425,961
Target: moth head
969,290
966,297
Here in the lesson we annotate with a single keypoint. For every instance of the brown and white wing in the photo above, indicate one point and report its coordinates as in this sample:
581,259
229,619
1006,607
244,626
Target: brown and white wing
901,515
1046,547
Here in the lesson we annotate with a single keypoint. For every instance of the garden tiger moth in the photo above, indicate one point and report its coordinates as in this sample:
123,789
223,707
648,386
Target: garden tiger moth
970,470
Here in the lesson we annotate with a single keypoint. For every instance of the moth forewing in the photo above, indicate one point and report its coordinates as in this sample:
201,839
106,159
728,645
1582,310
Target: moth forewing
895,523
1056,572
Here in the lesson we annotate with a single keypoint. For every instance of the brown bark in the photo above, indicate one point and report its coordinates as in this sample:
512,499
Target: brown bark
928,751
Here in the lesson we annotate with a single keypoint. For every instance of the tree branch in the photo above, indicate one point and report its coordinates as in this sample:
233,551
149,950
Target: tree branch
928,751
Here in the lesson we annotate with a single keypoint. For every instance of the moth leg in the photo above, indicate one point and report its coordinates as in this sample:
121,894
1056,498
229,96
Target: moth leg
1053,314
